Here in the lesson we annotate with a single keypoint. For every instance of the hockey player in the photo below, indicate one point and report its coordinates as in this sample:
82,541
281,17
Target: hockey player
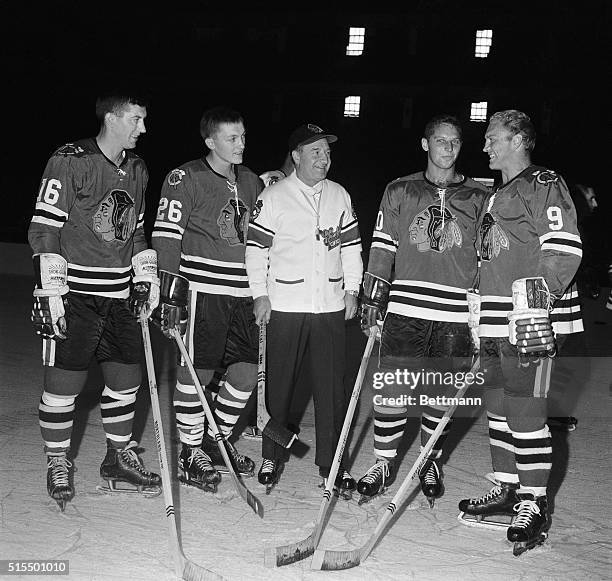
89,251
425,231
199,235
530,250
304,265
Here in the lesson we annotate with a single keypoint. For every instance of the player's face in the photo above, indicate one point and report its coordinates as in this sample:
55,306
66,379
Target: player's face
228,143
498,145
129,125
443,146
313,161
103,218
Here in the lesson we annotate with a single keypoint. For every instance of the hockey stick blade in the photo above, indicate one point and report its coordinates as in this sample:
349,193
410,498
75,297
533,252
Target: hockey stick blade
265,422
242,490
335,560
287,554
185,569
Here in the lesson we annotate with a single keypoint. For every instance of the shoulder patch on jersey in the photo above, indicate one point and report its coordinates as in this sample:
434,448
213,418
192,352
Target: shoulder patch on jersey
175,177
70,149
256,209
546,176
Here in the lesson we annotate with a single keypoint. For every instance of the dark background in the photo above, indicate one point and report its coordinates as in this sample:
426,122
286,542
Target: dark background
281,67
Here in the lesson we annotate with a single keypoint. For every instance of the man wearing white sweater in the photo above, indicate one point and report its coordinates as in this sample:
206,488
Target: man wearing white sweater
303,261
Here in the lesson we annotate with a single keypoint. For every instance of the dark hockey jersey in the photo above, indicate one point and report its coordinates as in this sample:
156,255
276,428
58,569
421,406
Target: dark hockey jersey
201,226
528,229
91,212
428,233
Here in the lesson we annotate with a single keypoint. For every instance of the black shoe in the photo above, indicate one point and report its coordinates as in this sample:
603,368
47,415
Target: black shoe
499,500
376,480
197,469
124,465
430,476
243,465
269,471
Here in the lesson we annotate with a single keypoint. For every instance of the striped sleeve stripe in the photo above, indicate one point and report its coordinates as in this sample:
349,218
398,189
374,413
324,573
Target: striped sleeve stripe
160,227
352,243
350,234
47,209
254,244
48,221
349,225
562,242
260,235
384,241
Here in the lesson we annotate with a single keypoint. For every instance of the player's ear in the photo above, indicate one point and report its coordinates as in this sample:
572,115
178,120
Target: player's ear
295,156
517,140
210,143
424,144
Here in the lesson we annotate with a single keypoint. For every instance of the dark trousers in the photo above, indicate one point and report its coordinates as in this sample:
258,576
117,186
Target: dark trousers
295,342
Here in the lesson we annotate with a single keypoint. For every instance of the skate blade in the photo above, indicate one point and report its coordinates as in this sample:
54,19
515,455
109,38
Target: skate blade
212,488
521,547
341,494
364,499
497,523
223,470
111,488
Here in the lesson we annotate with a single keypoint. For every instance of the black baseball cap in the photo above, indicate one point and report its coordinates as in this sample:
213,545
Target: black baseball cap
308,133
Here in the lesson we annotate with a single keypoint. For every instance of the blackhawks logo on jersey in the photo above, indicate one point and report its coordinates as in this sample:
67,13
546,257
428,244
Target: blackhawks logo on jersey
70,149
256,210
175,177
546,176
233,221
435,229
492,238
115,218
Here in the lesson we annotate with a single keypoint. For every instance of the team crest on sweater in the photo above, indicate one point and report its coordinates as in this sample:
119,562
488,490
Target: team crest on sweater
115,218
546,176
435,229
492,237
331,235
233,221
175,177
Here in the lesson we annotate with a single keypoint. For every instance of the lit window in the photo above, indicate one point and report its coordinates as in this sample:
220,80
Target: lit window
479,111
351,106
484,39
488,182
356,41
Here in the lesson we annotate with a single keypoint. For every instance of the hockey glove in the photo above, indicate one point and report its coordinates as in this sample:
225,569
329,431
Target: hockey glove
172,311
144,292
48,311
530,328
374,301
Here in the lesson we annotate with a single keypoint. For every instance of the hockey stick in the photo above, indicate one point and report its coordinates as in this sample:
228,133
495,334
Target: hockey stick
268,425
185,569
334,560
287,554
246,494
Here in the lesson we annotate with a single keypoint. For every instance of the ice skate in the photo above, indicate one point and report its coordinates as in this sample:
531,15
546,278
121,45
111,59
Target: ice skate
343,486
125,466
530,527
243,465
59,479
565,423
196,469
493,510
252,433
376,480
432,484
269,473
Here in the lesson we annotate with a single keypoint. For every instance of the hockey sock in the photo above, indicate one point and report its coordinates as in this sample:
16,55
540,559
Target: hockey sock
388,432
189,414
117,410
55,416
430,418
228,406
533,459
502,449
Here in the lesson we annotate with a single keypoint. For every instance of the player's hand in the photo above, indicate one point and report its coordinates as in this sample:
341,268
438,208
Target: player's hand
370,317
48,316
350,306
171,317
262,309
